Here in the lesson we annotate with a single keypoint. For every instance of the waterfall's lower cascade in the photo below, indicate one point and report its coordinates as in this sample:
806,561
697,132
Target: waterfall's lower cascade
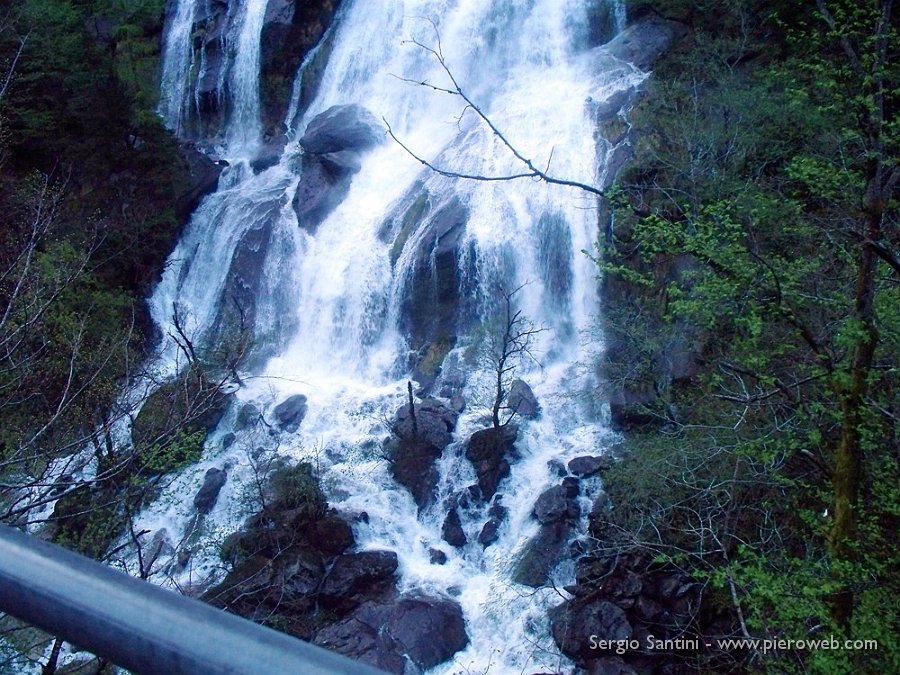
357,269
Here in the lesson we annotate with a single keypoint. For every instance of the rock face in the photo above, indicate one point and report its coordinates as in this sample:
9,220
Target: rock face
414,449
356,577
489,451
521,400
646,40
434,309
557,511
452,530
333,144
342,128
423,631
290,413
206,497
624,595
588,465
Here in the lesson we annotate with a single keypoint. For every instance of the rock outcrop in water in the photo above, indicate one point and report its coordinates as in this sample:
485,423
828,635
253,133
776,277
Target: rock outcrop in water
292,567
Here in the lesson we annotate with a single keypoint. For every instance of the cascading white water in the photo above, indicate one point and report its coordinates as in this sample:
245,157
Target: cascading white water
335,298
243,130
176,60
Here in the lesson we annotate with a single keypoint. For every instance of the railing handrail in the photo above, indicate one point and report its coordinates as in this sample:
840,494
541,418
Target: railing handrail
140,626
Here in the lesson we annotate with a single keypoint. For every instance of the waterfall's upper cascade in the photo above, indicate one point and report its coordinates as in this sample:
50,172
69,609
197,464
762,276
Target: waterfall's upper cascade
356,267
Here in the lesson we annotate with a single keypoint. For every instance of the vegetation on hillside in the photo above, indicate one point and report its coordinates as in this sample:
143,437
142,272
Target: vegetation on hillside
757,231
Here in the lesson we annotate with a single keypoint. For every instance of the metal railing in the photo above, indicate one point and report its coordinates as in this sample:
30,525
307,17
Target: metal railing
142,627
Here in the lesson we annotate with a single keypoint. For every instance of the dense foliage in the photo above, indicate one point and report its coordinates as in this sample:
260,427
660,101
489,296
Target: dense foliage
755,246
92,197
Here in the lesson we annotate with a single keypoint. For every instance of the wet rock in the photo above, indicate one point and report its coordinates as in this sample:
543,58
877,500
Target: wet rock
541,554
248,415
488,450
270,154
426,630
521,400
206,497
357,577
644,41
557,467
490,532
415,448
203,178
228,440
410,634
318,193
551,506
452,530
342,127
556,504
437,557
588,465
290,413
433,309
573,623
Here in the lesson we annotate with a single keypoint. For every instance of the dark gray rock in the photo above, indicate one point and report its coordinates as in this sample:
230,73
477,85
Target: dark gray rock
435,296
588,465
247,416
206,497
634,407
269,155
358,577
342,127
290,413
541,554
319,191
646,40
490,532
408,635
437,557
489,451
552,505
426,630
573,623
414,448
521,400
204,177
452,530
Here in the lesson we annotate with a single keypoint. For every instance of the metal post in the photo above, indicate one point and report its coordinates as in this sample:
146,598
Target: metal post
140,626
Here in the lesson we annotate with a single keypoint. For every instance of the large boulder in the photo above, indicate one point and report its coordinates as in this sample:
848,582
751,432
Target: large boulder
416,446
358,577
521,400
409,635
332,145
433,310
646,40
290,413
573,624
541,554
206,497
342,127
589,465
452,530
489,451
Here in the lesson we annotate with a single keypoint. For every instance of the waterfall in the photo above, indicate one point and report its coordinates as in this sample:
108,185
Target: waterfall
176,60
331,303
